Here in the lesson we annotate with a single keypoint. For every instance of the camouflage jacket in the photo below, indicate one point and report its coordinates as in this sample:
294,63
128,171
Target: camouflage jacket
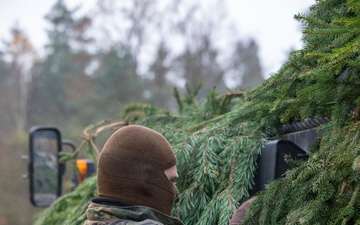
103,211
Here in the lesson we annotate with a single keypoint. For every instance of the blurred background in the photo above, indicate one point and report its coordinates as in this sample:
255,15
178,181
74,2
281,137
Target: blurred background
73,63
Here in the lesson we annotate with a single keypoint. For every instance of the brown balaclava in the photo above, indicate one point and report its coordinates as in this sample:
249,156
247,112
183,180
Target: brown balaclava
131,168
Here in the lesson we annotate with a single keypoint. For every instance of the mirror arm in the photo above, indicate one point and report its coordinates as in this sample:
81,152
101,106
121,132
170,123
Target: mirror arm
72,145
69,143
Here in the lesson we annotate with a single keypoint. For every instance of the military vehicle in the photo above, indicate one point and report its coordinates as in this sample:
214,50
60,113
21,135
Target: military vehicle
46,171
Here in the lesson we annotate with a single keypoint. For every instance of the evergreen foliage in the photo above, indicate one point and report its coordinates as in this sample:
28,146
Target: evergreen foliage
217,145
70,208
319,80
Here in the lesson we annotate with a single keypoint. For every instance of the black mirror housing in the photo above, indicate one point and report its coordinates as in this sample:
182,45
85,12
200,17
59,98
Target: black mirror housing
45,169
271,163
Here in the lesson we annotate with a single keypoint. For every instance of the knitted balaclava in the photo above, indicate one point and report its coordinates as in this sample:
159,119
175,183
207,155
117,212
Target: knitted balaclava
131,168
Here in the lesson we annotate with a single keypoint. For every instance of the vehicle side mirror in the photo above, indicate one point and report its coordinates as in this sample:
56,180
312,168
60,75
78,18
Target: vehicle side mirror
271,162
45,170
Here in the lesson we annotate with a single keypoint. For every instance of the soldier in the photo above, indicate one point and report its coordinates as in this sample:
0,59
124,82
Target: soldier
135,178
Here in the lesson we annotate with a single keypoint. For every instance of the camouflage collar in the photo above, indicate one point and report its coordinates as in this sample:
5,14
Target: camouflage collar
104,210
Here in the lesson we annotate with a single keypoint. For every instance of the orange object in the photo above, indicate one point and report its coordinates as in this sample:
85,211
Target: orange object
81,165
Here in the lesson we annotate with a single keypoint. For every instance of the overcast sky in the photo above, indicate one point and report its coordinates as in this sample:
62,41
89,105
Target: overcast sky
270,22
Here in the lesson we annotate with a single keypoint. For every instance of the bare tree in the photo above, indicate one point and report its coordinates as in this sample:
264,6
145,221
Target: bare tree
244,70
125,23
199,35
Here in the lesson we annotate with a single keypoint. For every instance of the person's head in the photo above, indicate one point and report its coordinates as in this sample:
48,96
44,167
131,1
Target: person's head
137,165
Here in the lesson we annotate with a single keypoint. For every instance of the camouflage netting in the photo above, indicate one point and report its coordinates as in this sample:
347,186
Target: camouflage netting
217,141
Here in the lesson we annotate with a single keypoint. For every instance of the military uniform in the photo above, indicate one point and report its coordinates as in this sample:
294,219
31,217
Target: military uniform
107,211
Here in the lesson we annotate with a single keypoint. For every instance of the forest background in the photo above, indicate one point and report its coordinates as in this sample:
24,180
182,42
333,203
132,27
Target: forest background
82,79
